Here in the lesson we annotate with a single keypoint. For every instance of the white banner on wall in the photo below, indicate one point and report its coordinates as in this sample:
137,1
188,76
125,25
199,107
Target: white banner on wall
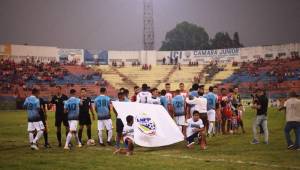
153,126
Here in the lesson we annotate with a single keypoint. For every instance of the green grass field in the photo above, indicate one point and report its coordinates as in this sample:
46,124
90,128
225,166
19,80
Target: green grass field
224,152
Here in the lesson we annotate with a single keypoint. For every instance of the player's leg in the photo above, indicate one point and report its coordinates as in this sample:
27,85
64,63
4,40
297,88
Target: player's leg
100,130
130,146
119,129
58,122
108,126
202,139
80,131
190,140
69,135
47,145
31,131
73,128
89,131
39,126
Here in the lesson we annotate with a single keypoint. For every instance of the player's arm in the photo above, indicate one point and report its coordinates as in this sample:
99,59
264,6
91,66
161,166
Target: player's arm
138,99
92,110
190,101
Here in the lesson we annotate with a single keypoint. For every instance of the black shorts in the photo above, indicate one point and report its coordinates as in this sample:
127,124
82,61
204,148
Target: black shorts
119,126
85,120
62,118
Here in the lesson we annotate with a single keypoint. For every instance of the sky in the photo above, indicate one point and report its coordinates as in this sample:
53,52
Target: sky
118,24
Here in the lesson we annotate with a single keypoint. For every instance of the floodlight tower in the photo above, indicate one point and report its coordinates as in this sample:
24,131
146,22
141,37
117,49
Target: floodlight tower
148,25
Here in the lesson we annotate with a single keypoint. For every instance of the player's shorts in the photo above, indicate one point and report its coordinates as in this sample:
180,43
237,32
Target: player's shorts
192,137
85,120
32,126
180,120
211,115
119,125
73,125
61,119
105,124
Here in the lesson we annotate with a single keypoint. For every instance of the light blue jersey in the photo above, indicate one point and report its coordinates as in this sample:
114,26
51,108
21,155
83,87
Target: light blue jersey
178,105
102,103
32,104
72,106
164,101
211,101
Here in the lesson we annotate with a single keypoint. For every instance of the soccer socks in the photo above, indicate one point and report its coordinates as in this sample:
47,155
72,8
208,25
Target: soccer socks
80,134
58,135
77,138
46,137
89,132
109,135
211,128
31,137
68,140
37,137
100,136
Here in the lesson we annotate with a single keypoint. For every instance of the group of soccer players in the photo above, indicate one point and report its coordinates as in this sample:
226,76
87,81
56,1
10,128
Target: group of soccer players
197,114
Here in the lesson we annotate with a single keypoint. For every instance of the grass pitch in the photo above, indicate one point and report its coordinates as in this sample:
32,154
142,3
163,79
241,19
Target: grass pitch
224,152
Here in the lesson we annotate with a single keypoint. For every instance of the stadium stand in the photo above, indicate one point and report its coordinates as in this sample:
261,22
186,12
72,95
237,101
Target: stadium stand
278,77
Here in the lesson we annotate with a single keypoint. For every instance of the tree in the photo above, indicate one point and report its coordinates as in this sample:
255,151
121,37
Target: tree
236,40
186,36
223,40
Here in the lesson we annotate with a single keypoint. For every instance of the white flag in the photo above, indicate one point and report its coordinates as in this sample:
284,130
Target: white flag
153,126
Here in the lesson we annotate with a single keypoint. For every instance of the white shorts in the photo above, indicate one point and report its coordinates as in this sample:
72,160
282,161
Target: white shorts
105,124
180,120
211,115
73,125
32,126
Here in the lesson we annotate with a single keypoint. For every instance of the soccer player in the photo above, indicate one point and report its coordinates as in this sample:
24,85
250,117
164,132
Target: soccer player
164,99
43,115
183,92
84,115
136,91
169,96
128,133
32,104
60,117
102,105
211,110
71,107
195,129
144,96
155,99
179,110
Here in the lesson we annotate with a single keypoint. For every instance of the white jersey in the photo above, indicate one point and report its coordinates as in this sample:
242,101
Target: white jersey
184,94
128,132
191,125
143,97
155,100
200,104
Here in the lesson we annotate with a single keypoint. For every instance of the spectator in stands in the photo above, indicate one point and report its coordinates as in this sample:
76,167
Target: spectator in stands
292,113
